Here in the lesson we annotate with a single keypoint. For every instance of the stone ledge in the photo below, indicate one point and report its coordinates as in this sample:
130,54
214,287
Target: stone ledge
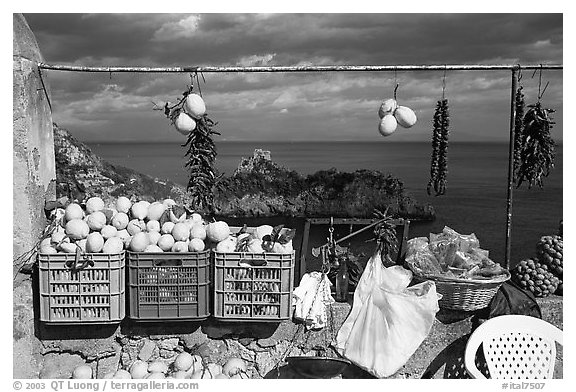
261,344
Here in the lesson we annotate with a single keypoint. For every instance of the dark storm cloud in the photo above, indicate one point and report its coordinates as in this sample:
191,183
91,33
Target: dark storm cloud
375,38
288,106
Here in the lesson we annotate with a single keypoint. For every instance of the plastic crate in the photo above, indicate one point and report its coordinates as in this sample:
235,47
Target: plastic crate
169,286
88,290
256,293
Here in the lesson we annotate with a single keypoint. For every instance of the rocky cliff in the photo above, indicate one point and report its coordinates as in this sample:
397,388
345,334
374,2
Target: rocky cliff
258,188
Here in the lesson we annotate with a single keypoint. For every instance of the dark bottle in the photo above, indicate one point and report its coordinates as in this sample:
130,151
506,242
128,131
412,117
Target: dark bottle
342,280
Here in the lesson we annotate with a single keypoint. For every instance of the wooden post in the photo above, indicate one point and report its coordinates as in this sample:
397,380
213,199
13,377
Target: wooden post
510,169
303,251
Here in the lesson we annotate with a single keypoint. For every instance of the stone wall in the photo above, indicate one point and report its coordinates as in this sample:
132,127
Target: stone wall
262,345
33,183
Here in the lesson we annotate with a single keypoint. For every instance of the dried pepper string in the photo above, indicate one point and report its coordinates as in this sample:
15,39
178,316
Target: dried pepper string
518,130
537,146
443,149
439,160
434,168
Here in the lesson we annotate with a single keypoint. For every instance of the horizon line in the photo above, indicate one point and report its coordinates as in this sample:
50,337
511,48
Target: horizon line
302,141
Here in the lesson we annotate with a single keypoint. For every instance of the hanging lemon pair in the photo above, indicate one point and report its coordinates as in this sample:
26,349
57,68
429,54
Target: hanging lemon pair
391,115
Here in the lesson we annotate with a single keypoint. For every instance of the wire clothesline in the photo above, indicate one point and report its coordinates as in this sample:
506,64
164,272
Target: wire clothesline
300,68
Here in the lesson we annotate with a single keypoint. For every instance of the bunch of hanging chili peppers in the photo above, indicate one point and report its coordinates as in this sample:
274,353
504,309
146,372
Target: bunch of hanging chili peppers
439,161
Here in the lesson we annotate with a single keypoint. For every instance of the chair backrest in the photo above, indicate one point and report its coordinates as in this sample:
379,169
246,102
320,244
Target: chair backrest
515,347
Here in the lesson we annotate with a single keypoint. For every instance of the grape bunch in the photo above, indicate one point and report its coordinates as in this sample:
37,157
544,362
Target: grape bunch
535,277
549,251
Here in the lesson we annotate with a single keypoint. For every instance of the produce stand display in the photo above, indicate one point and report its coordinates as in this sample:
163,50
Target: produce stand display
82,290
262,292
167,286
253,286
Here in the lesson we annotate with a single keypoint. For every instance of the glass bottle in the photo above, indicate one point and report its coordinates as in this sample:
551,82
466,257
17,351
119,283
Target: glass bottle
342,281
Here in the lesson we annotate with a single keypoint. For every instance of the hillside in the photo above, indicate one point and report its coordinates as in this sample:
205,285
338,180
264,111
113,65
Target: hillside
259,187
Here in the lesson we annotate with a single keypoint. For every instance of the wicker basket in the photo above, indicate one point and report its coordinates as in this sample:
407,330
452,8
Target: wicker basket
465,294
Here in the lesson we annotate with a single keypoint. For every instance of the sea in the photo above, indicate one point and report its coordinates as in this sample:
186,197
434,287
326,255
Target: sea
475,200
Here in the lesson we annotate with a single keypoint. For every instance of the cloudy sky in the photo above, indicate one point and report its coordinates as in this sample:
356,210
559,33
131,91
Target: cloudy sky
315,106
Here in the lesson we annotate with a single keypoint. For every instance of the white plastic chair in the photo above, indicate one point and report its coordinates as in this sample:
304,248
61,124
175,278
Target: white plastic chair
515,347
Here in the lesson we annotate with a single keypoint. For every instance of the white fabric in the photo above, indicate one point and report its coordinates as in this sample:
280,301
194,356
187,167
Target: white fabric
311,298
388,320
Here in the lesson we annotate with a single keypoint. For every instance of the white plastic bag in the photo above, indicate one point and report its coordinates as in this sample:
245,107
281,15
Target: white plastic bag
388,320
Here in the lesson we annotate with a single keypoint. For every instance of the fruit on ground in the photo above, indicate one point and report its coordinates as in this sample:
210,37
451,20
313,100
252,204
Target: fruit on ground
196,245
113,245
94,243
198,231
217,231
535,277
94,204
139,369
157,367
214,369
166,242
122,374
120,221
405,116
167,227
123,204
180,246
387,125
77,229
139,242
139,210
109,231
387,107
183,361
135,226
73,211
549,251
234,366
181,232
96,220
82,372
196,217
201,374
195,105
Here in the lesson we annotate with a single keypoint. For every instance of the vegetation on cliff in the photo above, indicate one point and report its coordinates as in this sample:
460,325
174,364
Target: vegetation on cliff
258,187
